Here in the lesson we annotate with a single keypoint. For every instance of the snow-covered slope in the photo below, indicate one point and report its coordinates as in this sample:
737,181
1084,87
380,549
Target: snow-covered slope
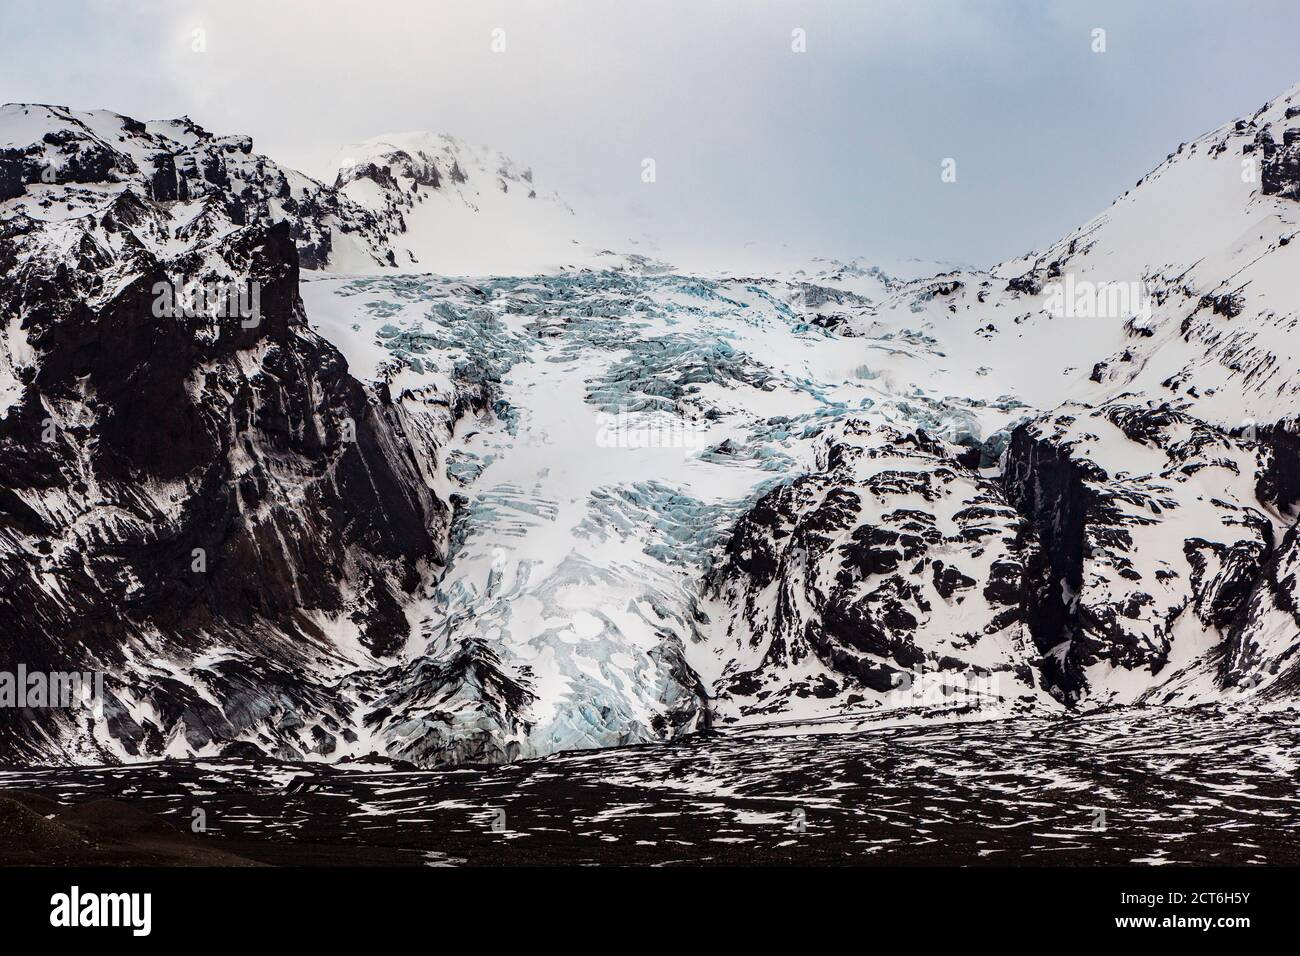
1183,289
459,209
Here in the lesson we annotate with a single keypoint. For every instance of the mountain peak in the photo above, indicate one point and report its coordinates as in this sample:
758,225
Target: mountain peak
453,203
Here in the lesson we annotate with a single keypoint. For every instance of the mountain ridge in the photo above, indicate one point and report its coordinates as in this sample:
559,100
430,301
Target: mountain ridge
593,507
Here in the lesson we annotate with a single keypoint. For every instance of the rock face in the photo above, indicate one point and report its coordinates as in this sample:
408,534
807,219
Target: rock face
1153,537
194,504
890,558
60,162
1048,487
1122,555
1260,650
1280,162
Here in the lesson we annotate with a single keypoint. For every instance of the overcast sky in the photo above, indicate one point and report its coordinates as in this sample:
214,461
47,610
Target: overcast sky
837,150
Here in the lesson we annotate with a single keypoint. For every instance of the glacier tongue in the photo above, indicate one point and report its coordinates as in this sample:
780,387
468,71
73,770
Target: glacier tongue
623,426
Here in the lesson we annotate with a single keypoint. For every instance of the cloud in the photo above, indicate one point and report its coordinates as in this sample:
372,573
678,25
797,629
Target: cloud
837,148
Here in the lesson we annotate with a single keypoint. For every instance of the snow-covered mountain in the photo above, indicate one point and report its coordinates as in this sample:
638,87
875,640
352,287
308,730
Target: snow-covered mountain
199,501
453,208
581,506
458,209
57,163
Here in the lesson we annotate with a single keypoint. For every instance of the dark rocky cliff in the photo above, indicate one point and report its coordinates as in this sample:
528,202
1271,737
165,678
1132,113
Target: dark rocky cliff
188,501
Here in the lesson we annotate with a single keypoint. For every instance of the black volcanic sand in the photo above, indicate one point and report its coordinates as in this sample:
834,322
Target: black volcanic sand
1140,785
38,831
